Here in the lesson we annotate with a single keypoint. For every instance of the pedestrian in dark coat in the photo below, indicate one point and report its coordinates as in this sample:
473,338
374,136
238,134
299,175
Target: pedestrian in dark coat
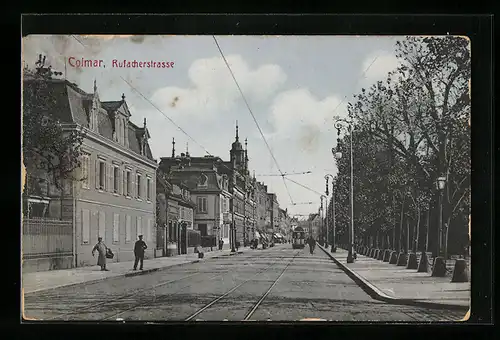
101,249
221,244
312,243
139,248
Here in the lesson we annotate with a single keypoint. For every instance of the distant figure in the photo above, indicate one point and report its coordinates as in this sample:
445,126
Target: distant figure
312,243
256,243
101,249
139,248
237,244
221,244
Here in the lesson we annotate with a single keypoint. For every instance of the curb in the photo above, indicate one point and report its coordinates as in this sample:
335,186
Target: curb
376,294
127,274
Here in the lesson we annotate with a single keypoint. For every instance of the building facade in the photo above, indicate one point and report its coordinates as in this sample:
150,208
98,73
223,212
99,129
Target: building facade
114,197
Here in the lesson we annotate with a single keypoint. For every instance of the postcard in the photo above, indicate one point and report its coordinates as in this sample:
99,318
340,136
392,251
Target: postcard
246,178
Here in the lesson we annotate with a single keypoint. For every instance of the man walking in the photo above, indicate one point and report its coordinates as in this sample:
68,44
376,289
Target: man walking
312,243
139,248
101,250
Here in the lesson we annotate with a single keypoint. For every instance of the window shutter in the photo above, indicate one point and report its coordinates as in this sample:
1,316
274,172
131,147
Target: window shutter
148,231
102,225
132,186
97,174
116,228
138,226
109,178
124,183
85,226
128,231
119,181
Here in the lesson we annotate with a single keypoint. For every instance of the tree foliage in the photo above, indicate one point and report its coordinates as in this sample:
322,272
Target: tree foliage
410,129
47,146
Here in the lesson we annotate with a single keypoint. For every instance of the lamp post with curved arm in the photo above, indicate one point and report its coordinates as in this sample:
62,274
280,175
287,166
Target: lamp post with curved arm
327,176
339,124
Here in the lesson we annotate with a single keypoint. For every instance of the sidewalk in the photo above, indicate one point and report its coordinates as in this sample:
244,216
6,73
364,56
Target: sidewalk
41,281
396,284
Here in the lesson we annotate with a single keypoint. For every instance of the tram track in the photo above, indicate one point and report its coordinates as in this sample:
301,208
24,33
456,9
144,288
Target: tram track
141,290
251,279
221,274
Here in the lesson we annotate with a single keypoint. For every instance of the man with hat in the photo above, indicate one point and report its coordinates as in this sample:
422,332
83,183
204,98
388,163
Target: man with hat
139,248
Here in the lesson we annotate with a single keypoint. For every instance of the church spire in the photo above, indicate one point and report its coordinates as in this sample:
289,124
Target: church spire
95,85
237,138
173,147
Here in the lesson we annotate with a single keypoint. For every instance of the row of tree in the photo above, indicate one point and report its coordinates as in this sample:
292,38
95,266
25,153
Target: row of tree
410,131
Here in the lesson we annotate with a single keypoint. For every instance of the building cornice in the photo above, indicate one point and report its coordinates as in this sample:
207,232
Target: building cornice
111,144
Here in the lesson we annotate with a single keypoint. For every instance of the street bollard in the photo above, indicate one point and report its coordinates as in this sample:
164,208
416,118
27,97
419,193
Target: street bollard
380,255
394,258
370,254
439,267
460,273
387,255
401,259
375,254
412,261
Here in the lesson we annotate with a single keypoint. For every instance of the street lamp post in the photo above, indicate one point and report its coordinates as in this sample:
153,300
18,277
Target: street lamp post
334,248
321,219
338,125
440,185
233,228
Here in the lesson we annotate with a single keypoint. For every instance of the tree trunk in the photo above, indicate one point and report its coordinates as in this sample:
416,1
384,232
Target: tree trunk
416,232
407,245
400,228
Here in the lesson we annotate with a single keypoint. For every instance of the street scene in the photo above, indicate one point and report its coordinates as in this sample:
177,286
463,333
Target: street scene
246,178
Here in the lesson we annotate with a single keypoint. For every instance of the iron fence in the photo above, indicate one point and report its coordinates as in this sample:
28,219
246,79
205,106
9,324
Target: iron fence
47,238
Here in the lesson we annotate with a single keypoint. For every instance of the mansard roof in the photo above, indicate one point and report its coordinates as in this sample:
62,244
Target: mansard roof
70,104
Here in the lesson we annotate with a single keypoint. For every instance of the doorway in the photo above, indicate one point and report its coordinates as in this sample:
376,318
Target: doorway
182,241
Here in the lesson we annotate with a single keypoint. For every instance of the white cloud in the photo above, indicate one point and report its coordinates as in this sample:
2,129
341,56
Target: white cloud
213,89
298,113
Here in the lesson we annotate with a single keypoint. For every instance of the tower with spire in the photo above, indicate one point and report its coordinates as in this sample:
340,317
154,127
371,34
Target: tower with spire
237,153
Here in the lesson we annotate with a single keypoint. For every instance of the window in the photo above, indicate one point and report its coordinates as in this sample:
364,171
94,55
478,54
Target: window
116,228
101,175
102,225
139,192
128,183
128,229
224,204
148,231
148,188
139,226
202,204
203,229
85,226
116,179
170,231
85,171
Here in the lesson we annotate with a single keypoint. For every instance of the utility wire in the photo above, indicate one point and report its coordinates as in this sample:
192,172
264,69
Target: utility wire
251,112
303,186
171,120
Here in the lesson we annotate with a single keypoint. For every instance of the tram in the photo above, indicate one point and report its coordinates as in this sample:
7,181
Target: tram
298,238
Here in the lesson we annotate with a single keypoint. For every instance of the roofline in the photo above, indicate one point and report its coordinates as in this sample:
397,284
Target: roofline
111,144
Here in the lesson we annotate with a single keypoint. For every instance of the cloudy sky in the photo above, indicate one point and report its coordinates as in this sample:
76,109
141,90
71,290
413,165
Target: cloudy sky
293,85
